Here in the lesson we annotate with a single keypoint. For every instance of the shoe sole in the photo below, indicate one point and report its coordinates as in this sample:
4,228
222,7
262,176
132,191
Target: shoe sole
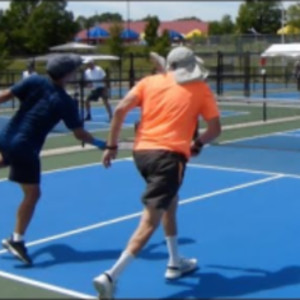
182,274
15,253
102,291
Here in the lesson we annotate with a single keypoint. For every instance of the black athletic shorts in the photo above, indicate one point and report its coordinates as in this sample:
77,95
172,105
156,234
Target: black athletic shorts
95,94
163,172
25,167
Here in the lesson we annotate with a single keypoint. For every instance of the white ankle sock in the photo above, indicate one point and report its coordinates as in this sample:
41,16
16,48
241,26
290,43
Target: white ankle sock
17,237
173,250
120,265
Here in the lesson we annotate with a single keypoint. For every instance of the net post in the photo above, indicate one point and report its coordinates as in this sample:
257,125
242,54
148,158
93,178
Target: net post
81,98
265,111
219,73
264,77
131,71
247,74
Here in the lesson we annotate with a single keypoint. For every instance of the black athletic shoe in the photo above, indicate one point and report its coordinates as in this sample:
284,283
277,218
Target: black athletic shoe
18,249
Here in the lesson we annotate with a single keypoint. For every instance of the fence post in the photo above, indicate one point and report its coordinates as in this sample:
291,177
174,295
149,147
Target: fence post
81,97
247,74
219,74
107,83
131,71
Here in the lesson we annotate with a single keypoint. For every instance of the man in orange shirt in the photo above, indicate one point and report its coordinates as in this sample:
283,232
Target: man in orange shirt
171,104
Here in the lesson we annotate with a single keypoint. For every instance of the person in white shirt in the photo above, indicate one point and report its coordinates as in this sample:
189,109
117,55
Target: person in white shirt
30,70
94,76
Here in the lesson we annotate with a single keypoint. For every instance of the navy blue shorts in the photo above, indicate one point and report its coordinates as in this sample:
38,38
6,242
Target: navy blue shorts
25,166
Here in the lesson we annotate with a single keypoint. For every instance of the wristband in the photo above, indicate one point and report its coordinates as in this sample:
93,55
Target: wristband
198,143
99,143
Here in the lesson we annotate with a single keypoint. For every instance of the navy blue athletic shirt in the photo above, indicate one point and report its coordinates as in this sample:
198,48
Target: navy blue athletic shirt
43,105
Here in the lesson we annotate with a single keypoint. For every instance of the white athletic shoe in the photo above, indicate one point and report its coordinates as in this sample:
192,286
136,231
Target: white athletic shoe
186,265
105,286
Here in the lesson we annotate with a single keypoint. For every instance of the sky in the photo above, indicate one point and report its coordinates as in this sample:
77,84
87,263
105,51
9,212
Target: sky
164,10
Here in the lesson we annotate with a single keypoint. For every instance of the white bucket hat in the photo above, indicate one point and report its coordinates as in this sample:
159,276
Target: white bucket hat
185,65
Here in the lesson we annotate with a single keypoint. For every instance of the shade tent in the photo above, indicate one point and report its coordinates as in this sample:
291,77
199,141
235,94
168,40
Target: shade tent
129,34
84,57
97,32
73,46
194,33
175,35
288,29
284,50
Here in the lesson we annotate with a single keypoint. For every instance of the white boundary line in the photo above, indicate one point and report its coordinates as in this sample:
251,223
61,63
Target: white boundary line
117,220
241,170
66,169
254,137
45,286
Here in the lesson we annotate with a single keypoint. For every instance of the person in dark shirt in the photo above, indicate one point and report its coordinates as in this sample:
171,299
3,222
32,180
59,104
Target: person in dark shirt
43,103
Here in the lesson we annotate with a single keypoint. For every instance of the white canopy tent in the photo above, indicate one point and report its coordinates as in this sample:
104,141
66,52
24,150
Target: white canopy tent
95,57
73,46
291,50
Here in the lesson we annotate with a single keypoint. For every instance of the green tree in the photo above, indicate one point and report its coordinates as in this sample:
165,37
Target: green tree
151,30
293,15
13,22
115,42
163,44
262,16
225,26
49,24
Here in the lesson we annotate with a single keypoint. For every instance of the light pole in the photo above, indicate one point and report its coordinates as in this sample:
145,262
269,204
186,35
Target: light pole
128,14
282,23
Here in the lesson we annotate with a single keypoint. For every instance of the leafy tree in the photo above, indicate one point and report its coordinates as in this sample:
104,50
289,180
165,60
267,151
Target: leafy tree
115,42
163,44
151,30
49,24
84,22
293,15
12,23
225,26
261,16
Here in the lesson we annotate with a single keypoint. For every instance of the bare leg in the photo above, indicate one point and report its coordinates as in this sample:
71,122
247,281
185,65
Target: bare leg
107,105
149,222
88,108
26,209
169,218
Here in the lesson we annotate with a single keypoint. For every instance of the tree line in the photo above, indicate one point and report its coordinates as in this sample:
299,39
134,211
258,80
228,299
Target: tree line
32,26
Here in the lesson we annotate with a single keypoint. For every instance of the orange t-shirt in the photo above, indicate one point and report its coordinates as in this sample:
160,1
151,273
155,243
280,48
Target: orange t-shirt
169,112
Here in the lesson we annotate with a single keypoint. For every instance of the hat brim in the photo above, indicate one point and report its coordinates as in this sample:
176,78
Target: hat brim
192,72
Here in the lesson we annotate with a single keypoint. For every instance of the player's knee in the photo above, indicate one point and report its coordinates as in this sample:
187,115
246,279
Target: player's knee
33,195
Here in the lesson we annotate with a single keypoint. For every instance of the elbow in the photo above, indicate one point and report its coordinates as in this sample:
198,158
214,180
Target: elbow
119,112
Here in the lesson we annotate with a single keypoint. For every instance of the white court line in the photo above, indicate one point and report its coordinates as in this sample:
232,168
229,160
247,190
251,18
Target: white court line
137,214
253,137
66,169
294,135
45,286
239,170
242,170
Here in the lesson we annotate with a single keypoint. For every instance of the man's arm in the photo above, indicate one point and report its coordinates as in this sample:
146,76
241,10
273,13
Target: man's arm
129,102
82,135
6,96
212,131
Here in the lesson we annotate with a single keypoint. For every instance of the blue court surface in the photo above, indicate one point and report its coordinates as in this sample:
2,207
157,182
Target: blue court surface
237,216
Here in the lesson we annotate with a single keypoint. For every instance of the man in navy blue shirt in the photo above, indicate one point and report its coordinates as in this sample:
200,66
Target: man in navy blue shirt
43,103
